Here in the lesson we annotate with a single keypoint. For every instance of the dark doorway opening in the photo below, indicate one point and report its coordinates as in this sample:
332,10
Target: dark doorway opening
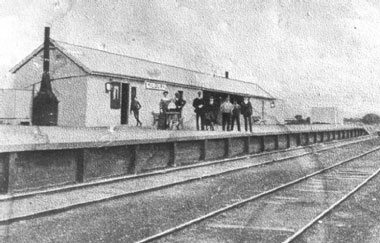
124,103
219,98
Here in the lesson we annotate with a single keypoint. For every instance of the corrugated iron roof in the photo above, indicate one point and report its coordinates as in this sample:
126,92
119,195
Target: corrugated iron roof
105,63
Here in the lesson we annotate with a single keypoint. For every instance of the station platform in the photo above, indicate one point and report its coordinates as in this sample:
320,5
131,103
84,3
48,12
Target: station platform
26,138
34,157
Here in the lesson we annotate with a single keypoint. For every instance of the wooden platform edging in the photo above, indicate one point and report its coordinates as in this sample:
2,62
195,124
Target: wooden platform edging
30,170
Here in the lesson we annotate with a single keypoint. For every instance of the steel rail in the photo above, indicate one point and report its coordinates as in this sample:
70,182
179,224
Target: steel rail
324,213
250,199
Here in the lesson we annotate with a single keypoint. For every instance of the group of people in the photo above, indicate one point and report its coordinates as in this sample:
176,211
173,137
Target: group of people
207,112
169,104
166,104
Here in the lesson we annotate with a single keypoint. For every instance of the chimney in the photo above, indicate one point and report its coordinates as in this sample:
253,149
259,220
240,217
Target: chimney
45,83
226,74
45,104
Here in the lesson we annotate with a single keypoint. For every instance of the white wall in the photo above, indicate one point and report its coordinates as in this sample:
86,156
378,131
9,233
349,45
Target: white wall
99,113
69,89
72,96
31,72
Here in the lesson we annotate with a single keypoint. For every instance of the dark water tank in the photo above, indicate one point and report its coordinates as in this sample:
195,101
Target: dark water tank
45,104
45,109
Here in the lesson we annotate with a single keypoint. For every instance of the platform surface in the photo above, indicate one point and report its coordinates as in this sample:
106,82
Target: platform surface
27,138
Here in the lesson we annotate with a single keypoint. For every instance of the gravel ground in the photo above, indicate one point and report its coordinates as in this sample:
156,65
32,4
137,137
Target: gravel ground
133,218
276,217
355,220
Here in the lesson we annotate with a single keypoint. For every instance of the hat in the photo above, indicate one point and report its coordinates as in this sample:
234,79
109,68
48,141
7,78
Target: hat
165,92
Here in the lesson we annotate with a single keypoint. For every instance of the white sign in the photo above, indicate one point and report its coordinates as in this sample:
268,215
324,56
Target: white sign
157,86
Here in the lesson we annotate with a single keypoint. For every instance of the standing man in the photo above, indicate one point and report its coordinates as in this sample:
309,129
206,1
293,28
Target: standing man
246,110
226,109
135,107
211,113
179,102
198,105
236,115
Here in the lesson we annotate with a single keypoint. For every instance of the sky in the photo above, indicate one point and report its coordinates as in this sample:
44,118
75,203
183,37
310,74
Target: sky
305,52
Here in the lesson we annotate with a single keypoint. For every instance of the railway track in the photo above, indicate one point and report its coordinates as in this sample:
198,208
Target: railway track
334,184
331,208
22,201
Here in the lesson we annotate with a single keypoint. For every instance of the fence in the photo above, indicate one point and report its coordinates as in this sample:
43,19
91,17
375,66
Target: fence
15,105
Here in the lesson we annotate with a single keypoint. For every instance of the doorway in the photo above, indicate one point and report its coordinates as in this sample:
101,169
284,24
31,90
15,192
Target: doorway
124,103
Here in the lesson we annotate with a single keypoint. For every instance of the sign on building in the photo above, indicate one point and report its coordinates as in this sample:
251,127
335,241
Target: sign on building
156,86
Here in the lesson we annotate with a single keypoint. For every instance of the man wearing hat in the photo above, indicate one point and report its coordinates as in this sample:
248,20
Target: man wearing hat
246,110
199,110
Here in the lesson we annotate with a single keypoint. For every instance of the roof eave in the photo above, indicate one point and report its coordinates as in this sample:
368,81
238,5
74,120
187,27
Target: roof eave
27,59
114,75
40,48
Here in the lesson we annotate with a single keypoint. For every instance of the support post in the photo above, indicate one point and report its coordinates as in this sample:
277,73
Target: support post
298,139
307,139
134,149
322,138
287,140
4,177
79,175
203,150
227,150
246,145
173,151
315,137
276,142
12,171
262,144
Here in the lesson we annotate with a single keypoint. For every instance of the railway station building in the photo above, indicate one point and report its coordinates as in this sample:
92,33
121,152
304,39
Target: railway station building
95,87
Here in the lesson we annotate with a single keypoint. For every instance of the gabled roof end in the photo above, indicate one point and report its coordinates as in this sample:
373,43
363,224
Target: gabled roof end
36,51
